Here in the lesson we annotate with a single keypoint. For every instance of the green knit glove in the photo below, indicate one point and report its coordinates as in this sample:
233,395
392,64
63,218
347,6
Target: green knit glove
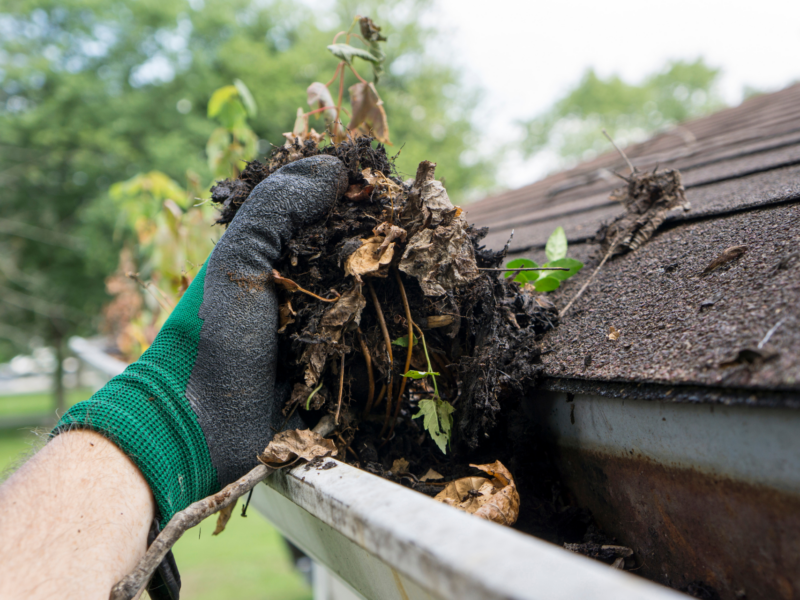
200,404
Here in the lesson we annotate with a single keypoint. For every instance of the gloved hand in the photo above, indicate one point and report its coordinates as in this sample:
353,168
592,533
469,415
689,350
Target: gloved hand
199,405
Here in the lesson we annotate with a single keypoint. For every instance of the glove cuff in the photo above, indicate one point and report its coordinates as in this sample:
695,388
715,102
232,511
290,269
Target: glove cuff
144,411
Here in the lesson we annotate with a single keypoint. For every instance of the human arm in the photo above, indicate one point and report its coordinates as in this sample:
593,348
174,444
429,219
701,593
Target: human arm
199,405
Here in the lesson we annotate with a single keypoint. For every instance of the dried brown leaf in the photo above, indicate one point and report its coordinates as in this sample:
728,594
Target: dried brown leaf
319,96
399,466
367,261
285,314
368,118
392,233
727,256
288,446
431,475
439,252
493,499
385,187
223,516
359,192
344,313
647,199
614,333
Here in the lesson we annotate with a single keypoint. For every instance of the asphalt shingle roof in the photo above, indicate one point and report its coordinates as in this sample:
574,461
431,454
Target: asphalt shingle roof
741,170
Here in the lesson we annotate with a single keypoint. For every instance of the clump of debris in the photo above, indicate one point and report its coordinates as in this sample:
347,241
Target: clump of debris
388,282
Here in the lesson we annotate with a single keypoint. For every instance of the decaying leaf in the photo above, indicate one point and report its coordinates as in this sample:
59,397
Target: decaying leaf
400,465
341,315
223,516
287,446
727,256
647,199
438,253
359,192
494,499
368,118
392,233
368,261
384,187
614,333
285,314
431,475
319,96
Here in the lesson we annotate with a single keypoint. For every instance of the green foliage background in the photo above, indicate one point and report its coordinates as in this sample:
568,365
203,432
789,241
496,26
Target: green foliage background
682,90
93,92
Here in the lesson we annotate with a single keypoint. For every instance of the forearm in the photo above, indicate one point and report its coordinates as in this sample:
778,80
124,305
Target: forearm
74,520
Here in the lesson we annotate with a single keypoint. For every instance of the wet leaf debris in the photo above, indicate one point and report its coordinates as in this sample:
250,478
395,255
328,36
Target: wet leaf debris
395,260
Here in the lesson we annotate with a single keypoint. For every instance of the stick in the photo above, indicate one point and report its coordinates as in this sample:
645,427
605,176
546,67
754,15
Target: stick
341,389
370,376
770,332
621,153
387,340
408,355
586,285
133,583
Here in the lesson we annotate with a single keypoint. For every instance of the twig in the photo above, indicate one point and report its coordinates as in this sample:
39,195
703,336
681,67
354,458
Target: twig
586,285
370,376
313,295
770,332
163,301
341,389
526,269
387,340
133,583
408,354
621,153
381,394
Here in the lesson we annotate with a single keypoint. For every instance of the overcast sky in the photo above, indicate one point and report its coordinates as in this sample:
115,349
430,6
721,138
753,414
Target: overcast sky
526,54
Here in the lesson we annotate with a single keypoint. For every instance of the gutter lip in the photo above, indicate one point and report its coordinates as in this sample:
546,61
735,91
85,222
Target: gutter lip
446,552
677,393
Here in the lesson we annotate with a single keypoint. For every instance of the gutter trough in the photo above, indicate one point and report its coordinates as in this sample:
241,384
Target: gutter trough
707,496
386,542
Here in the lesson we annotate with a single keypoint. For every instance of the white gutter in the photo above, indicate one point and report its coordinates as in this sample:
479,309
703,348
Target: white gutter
93,355
387,542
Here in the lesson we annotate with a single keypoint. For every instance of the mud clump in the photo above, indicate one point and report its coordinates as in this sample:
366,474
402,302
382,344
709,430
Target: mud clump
341,283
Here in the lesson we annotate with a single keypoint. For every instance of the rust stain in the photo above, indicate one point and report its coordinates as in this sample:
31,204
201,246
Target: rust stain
399,584
686,526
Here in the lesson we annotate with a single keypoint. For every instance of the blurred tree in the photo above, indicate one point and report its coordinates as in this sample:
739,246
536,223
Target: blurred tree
630,113
95,91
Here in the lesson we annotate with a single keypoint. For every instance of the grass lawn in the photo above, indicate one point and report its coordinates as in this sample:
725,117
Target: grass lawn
37,404
247,561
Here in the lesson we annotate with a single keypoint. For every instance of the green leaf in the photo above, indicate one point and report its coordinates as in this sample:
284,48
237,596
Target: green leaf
418,374
546,284
573,265
232,114
220,97
246,97
347,53
437,421
525,276
403,341
556,247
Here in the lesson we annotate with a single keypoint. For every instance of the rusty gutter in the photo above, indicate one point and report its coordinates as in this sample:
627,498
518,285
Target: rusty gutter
706,494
